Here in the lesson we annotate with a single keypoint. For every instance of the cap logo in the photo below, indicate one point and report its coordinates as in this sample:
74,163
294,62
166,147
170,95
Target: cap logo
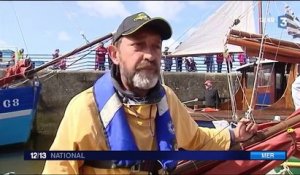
141,16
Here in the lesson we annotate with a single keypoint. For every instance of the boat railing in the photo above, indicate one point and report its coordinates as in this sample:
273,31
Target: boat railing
87,62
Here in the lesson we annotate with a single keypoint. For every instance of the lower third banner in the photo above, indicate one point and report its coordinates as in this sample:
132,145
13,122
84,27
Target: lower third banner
154,155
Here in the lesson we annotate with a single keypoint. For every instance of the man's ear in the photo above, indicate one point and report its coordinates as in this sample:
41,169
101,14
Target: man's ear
113,52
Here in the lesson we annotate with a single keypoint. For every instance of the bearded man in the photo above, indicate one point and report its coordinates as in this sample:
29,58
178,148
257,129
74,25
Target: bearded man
128,109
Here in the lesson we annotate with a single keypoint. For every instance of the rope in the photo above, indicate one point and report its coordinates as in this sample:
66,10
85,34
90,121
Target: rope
229,76
19,83
243,92
233,101
249,114
57,71
188,29
86,52
285,170
75,23
19,25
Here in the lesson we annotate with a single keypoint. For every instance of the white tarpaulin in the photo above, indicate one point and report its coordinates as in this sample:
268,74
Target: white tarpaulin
210,36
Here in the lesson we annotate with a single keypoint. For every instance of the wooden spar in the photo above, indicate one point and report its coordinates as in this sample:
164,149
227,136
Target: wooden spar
56,60
274,41
260,21
269,48
190,167
291,164
294,119
283,51
271,56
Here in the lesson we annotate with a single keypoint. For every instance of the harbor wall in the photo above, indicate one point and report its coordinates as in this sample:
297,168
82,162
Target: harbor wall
59,88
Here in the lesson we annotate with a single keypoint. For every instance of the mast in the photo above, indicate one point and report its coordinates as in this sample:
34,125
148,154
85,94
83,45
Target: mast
29,73
56,60
260,20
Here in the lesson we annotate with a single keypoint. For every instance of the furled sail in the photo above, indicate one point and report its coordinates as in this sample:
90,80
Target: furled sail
210,36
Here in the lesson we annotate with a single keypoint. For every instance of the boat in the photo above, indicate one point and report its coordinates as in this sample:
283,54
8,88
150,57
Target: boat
271,136
19,94
18,104
268,99
279,127
17,113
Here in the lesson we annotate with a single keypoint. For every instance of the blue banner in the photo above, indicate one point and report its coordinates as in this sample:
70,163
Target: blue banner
155,155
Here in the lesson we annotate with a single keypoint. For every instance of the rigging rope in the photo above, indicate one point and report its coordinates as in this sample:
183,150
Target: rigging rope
229,75
269,81
75,23
189,28
243,91
249,114
19,25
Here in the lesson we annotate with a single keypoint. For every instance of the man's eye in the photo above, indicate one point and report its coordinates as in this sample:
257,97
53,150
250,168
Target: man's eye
137,44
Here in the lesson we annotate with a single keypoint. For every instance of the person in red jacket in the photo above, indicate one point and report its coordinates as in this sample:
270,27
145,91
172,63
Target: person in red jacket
242,58
100,57
220,60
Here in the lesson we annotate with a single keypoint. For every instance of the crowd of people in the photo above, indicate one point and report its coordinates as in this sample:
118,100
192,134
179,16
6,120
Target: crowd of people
209,61
102,56
189,62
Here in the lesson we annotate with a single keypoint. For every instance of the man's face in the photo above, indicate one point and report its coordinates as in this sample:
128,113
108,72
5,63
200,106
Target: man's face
138,56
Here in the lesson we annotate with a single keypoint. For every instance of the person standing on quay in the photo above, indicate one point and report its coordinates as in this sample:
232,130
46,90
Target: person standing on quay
220,60
100,57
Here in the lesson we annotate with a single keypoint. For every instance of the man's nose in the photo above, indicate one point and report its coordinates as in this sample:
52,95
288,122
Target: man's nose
149,55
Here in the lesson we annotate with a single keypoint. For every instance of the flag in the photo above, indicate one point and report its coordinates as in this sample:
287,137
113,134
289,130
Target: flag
293,23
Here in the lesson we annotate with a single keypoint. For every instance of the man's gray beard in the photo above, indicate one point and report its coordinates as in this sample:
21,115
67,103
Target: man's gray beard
144,80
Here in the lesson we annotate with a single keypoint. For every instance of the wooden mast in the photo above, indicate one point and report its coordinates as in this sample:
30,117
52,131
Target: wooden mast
56,60
260,20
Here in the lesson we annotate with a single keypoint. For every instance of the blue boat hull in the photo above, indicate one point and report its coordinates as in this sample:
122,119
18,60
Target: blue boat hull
17,111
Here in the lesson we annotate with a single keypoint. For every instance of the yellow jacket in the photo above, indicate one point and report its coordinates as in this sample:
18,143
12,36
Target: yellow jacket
80,129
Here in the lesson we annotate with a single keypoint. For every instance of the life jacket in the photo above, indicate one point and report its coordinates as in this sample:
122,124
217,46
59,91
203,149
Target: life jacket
117,131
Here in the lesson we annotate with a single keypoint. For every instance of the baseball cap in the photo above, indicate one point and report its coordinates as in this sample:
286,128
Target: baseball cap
135,22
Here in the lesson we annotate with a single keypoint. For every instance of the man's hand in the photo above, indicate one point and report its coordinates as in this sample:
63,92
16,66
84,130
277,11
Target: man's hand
245,129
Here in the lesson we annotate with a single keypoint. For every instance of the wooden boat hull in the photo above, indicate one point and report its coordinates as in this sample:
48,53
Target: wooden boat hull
17,111
271,136
261,116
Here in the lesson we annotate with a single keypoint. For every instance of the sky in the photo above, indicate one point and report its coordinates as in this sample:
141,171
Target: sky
42,26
